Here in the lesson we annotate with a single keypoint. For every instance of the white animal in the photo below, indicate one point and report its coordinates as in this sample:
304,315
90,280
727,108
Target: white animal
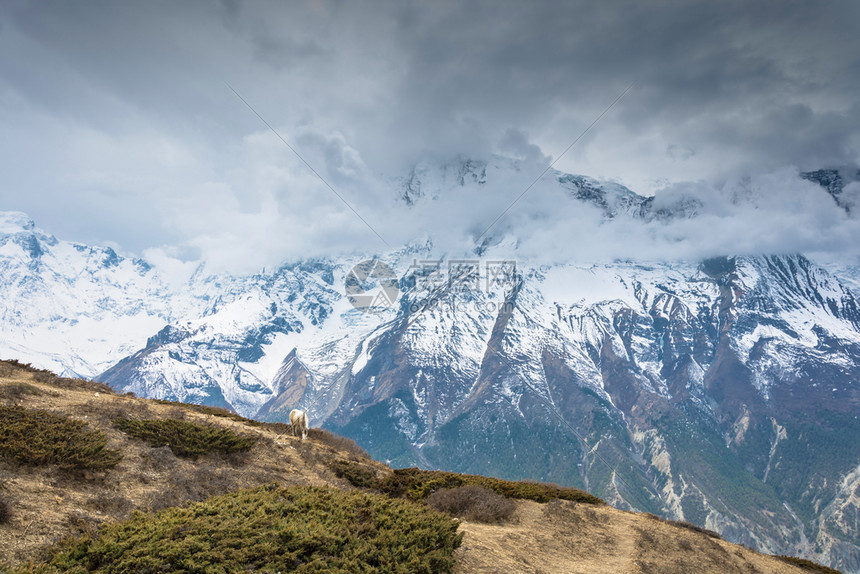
299,422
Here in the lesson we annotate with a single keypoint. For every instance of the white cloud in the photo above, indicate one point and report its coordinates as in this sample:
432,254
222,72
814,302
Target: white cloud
118,124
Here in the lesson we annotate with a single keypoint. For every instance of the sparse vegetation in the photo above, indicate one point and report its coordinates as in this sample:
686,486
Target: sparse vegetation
111,503
357,475
808,565
337,442
417,484
18,391
320,435
685,525
194,485
5,512
474,503
7,367
270,529
36,437
694,528
208,410
185,438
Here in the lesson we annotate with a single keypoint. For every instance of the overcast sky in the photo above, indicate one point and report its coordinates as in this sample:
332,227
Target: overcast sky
118,125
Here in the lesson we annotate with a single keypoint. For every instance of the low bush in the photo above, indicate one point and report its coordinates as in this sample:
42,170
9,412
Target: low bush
160,458
111,503
337,442
418,484
270,529
17,391
194,484
36,437
357,475
185,438
5,512
209,410
807,564
646,539
474,503
694,528
10,367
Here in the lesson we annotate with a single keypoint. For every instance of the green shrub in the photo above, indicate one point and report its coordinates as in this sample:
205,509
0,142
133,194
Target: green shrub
270,529
185,438
37,437
808,565
357,475
417,484
474,503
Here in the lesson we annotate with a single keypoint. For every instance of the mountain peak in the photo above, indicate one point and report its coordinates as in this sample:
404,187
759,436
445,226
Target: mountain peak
834,181
15,222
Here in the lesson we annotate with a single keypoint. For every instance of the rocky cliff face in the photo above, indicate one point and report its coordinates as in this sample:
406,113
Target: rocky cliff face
723,393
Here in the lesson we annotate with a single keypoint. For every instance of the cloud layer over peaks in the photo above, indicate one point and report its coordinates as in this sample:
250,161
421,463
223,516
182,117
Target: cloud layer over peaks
119,124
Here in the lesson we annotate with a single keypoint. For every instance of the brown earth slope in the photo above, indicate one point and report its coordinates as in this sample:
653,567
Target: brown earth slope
45,504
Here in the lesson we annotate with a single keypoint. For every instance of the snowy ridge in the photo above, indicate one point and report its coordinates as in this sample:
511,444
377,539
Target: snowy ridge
72,308
695,380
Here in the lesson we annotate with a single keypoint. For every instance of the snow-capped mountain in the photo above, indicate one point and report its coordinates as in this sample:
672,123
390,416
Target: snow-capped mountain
73,308
724,391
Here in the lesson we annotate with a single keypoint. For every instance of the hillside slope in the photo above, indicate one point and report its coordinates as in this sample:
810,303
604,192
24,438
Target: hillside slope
45,503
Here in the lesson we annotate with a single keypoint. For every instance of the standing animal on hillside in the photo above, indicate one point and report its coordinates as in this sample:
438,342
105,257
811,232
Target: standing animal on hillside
299,422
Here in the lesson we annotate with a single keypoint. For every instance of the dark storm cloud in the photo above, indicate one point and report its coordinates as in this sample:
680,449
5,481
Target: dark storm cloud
119,125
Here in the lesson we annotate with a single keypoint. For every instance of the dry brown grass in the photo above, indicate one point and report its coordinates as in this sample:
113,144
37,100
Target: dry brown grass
808,565
694,528
566,537
558,536
337,442
13,393
44,507
5,513
474,503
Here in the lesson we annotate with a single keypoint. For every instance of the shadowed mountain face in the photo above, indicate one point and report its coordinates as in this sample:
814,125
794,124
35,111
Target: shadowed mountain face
723,392
834,182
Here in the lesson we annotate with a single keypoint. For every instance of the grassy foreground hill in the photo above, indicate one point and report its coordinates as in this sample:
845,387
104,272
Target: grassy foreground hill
95,481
